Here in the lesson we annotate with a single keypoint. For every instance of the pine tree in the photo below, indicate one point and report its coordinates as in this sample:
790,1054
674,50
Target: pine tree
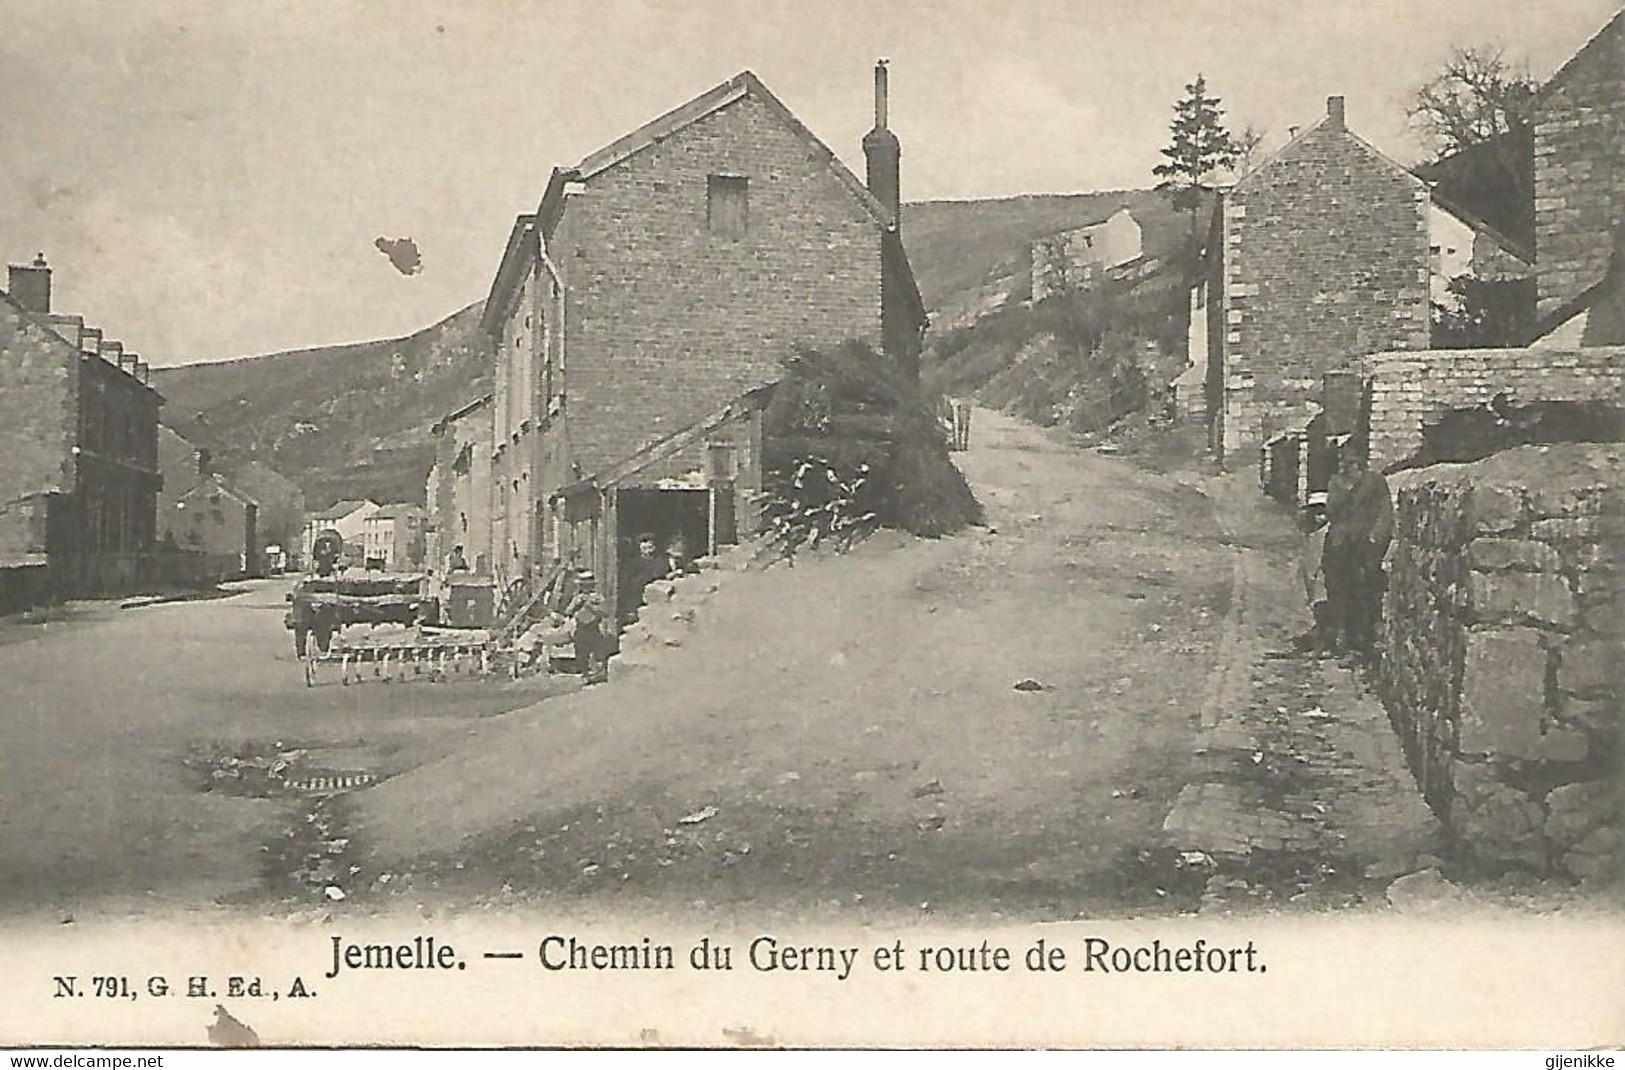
1200,149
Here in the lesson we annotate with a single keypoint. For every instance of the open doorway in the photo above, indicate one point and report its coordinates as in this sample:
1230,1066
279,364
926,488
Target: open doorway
670,516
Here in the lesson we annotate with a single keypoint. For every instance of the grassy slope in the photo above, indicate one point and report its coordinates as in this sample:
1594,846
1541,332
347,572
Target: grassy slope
342,421
956,245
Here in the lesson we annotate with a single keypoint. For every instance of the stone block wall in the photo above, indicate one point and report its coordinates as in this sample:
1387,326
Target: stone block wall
1580,167
1501,667
1324,257
1410,391
668,321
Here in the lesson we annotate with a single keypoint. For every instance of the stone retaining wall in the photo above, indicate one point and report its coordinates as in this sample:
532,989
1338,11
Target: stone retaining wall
1501,667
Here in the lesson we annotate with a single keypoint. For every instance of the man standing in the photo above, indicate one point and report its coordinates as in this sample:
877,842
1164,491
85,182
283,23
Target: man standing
1360,524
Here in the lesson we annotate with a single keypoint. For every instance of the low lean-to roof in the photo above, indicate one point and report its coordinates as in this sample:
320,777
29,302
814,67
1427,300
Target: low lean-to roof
457,414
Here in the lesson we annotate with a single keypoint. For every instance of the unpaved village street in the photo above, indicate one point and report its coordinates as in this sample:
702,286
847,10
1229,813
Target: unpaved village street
101,708
843,735
847,734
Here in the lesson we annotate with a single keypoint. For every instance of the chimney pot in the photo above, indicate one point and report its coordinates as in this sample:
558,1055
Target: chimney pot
880,95
1335,110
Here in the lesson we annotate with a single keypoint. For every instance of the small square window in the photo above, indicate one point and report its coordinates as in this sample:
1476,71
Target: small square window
728,205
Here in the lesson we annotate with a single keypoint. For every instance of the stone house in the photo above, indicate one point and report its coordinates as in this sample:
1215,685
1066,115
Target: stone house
212,519
1080,258
79,434
279,504
459,489
661,279
392,537
1580,168
1326,251
348,518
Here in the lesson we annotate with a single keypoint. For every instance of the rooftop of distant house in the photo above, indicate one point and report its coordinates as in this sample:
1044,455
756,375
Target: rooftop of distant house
339,510
397,511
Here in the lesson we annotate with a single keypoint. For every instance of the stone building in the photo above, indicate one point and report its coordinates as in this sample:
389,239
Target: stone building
79,434
1327,251
459,489
660,279
1580,167
1080,258
219,523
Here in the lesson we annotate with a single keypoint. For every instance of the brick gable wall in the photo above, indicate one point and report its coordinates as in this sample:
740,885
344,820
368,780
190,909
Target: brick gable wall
1580,169
1325,257
1410,390
667,322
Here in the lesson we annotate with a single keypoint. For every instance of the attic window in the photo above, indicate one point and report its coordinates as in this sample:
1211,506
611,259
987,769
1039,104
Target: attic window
727,205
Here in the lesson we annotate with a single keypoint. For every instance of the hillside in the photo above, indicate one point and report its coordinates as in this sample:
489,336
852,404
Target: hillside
967,255
343,421
1081,361
350,421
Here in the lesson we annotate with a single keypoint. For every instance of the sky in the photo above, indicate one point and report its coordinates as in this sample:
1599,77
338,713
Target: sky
212,178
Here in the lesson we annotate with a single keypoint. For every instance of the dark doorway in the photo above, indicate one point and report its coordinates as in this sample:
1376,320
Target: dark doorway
668,515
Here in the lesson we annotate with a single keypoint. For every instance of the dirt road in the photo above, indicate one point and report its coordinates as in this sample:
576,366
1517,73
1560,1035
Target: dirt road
847,734
98,709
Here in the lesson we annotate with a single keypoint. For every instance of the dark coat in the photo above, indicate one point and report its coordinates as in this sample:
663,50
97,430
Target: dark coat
1359,510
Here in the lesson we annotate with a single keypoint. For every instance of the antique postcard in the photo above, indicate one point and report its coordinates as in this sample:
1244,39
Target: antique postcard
706,523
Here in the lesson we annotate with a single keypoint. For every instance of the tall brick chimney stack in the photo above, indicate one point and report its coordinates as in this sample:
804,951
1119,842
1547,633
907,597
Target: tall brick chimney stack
30,286
1335,112
883,154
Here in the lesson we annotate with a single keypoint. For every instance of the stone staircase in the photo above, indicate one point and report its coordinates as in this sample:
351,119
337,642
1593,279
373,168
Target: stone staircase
673,609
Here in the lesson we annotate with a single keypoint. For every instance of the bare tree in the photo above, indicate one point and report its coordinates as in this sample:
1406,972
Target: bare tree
1249,145
1478,96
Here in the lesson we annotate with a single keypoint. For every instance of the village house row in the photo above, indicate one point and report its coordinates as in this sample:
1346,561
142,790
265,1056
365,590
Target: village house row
96,496
636,318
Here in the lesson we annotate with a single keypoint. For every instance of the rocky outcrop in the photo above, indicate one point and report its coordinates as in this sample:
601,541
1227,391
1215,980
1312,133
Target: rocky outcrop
1501,665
